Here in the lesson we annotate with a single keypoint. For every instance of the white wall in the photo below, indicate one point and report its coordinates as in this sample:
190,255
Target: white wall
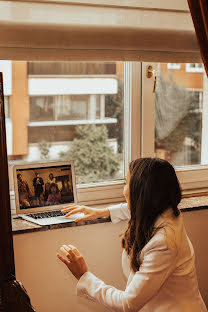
52,288
9,136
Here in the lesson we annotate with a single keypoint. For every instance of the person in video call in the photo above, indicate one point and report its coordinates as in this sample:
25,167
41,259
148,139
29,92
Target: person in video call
158,257
50,180
38,185
24,192
54,197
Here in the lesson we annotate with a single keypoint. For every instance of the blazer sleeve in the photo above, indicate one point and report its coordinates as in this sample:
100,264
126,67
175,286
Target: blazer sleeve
119,212
158,263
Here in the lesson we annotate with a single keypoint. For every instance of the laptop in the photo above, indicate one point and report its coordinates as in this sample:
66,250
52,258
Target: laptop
42,190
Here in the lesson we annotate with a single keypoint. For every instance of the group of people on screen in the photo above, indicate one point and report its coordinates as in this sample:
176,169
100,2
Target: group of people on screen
45,193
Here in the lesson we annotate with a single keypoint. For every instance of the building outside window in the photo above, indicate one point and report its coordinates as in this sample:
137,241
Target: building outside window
178,117
65,104
81,110
194,68
173,66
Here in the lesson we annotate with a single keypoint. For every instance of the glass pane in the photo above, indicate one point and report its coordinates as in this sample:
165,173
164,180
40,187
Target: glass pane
71,107
181,115
69,110
41,108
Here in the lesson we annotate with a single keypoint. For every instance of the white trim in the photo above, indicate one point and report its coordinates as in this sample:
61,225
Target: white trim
6,69
103,192
148,114
71,122
193,177
190,69
133,99
69,86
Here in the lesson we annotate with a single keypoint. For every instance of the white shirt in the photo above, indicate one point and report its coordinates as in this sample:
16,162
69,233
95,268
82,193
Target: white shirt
166,280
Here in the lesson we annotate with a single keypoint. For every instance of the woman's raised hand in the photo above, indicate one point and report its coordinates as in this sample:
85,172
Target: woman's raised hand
89,213
73,260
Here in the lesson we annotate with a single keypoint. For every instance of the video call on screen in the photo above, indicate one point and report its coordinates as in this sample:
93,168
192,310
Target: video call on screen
46,186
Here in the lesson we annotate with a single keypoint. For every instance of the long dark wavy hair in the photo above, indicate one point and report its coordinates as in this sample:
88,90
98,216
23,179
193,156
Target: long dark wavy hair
154,188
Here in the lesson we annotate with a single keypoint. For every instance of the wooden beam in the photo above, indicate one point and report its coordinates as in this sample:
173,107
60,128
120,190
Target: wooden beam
7,268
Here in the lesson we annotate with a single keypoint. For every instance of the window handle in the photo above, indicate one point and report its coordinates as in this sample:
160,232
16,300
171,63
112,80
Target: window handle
155,84
150,72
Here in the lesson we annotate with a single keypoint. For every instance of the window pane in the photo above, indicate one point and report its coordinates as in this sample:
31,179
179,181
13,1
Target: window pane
181,116
69,110
41,108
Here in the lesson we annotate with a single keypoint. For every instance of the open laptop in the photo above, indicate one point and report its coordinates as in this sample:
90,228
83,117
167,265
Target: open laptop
42,190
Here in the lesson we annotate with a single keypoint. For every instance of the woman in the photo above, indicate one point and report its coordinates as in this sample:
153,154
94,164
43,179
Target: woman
54,197
49,181
158,258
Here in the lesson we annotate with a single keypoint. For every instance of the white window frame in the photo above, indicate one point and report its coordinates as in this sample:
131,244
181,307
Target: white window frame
112,191
139,138
193,179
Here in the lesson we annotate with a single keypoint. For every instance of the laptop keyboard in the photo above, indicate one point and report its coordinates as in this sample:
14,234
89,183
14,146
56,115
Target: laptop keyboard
47,214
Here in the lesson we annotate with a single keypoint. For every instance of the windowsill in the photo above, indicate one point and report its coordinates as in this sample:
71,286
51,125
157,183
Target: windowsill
20,226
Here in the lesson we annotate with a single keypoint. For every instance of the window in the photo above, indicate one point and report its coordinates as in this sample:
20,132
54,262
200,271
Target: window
194,68
63,113
59,107
179,118
71,110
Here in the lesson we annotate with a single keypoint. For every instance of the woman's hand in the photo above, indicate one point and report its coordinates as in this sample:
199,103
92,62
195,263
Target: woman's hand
89,213
75,261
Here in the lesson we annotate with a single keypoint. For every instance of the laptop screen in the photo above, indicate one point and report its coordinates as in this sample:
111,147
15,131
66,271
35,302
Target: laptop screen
44,186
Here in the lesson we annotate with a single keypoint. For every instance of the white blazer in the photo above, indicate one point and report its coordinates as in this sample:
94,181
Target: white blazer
166,280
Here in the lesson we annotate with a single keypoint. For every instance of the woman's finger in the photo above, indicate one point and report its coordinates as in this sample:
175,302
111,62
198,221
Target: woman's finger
65,261
64,251
69,208
74,250
70,254
80,209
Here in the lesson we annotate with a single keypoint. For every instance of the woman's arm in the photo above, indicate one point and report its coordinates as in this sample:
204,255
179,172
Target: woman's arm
157,265
116,213
119,212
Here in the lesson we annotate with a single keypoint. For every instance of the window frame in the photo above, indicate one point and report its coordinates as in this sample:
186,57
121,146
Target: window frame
112,191
137,128
193,178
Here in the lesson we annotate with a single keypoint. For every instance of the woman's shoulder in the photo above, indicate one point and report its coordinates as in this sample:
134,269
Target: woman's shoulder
168,230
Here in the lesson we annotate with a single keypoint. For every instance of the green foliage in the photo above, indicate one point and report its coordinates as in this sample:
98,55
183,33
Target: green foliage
114,107
44,148
93,157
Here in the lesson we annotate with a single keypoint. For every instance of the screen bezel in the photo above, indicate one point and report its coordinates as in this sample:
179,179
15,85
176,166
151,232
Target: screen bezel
43,165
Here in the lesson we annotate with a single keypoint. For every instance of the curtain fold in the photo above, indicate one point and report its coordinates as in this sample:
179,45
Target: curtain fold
199,13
